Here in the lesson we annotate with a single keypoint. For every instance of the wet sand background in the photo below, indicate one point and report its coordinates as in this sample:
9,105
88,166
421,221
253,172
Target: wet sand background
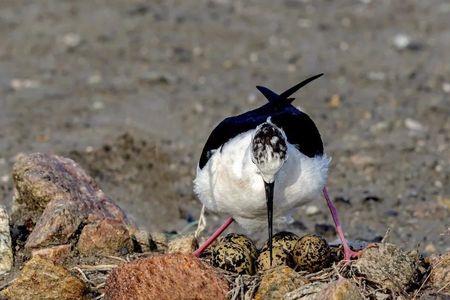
131,90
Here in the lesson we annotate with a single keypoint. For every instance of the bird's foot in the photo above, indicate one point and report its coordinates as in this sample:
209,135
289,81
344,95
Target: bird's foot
349,254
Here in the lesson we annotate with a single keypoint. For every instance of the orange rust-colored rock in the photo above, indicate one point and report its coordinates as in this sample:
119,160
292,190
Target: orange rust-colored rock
106,237
56,254
171,276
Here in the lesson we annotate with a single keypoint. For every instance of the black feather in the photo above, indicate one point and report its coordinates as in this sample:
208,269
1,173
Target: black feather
300,130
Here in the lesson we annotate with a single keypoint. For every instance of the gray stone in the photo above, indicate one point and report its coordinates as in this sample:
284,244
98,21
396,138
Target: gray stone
6,255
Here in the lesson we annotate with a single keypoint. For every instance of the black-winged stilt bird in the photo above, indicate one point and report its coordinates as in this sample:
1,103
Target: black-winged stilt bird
262,164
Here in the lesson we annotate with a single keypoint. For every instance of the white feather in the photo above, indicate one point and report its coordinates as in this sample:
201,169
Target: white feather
230,182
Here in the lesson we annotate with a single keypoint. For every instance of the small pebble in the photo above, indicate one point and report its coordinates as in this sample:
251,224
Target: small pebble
343,46
304,23
291,68
401,41
154,77
4,178
430,248
71,40
376,76
446,87
251,98
183,244
98,105
20,84
414,125
94,79
335,101
198,107
253,57
312,210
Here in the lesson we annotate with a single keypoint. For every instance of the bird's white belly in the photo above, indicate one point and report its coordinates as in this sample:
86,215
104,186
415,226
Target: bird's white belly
229,183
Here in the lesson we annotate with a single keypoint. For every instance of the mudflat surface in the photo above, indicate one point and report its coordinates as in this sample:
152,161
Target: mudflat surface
131,90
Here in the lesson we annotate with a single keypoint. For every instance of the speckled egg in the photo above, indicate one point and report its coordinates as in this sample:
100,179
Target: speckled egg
280,257
284,239
312,253
241,240
232,257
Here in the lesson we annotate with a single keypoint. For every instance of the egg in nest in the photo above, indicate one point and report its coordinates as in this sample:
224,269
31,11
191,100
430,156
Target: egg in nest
312,253
280,257
284,239
235,253
241,240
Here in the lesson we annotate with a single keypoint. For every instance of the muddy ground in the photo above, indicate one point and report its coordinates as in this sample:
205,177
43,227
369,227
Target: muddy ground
131,90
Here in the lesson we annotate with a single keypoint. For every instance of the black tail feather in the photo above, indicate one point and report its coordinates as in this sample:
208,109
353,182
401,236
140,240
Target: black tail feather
269,94
298,86
284,97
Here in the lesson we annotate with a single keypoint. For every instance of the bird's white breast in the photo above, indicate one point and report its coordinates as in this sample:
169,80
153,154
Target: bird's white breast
230,183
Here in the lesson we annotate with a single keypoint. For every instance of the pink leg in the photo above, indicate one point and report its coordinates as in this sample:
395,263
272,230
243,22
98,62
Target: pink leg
348,253
213,237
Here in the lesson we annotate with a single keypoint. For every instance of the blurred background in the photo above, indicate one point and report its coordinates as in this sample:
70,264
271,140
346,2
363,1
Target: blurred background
132,89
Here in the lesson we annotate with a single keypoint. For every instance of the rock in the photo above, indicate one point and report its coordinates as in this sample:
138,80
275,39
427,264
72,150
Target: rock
155,77
108,237
6,255
306,292
401,41
18,84
276,282
388,266
71,41
334,101
184,244
312,253
160,241
414,125
440,273
172,276
42,279
312,210
342,289
56,254
54,193
145,240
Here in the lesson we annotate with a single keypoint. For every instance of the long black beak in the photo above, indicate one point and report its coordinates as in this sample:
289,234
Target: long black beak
269,199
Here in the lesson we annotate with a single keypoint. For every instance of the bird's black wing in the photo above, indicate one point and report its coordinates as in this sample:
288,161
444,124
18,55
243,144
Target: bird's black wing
300,130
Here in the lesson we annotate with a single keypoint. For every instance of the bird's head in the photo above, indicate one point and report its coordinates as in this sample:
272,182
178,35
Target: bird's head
269,150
